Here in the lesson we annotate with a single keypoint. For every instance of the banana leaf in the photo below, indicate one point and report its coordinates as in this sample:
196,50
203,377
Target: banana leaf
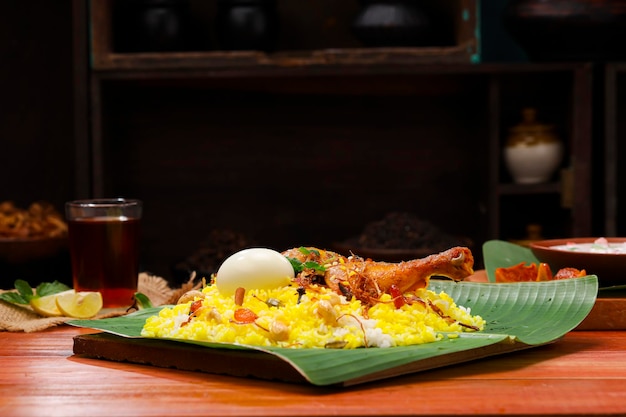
518,315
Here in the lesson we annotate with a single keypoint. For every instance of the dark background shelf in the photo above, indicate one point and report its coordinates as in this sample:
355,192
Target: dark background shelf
309,156
296,147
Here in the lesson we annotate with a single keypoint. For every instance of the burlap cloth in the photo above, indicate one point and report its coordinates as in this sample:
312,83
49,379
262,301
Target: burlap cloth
21,318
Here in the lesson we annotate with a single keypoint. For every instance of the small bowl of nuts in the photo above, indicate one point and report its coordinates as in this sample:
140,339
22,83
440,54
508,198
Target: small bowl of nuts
30,234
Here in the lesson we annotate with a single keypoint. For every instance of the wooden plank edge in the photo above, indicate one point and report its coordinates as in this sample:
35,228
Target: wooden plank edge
185,357
606,314
228,59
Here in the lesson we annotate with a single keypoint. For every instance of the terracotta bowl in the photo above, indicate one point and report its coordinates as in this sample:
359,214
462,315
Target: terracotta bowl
610,268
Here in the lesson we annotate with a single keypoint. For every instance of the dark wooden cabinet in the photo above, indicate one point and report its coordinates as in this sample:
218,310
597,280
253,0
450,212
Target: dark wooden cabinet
306,147
562,96
614,94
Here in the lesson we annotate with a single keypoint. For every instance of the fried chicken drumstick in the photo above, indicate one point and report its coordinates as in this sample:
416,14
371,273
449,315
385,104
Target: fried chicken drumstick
367,280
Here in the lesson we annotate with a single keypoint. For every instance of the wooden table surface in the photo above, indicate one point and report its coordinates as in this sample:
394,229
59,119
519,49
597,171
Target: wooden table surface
583,373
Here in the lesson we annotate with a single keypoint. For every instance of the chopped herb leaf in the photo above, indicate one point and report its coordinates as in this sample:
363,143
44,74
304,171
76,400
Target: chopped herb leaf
306,251
296,264
315,266
301,266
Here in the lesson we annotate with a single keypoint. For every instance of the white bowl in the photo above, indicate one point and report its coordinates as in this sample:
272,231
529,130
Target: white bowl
533,164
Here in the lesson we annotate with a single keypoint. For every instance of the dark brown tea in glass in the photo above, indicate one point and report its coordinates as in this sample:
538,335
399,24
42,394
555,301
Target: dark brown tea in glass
104,247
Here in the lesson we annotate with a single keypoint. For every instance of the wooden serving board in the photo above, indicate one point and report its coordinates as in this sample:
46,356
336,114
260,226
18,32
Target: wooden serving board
247,363
606,314
187,357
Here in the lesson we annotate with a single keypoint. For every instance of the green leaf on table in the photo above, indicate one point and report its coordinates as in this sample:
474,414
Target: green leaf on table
13,297
23,295
24,289
518,315
49,288
25,292
142,301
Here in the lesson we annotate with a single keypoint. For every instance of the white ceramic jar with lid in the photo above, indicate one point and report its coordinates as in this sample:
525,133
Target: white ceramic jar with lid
533,151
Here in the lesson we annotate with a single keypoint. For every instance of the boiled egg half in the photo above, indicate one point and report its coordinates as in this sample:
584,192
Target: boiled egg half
253,268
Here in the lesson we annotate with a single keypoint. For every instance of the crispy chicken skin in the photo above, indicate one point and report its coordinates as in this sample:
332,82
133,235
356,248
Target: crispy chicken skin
367,280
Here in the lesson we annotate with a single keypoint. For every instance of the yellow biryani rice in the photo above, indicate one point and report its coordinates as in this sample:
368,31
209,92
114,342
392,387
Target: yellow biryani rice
317,319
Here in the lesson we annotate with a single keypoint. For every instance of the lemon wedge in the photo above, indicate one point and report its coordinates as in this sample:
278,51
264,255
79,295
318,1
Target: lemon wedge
79,305
47,305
